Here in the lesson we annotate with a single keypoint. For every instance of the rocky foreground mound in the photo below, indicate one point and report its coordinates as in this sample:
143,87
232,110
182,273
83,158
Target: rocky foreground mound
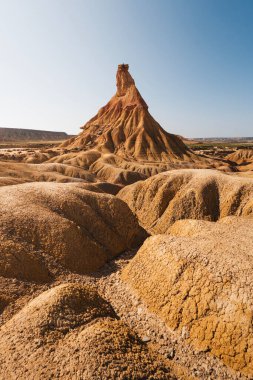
200,282
70,332
187,194
64,223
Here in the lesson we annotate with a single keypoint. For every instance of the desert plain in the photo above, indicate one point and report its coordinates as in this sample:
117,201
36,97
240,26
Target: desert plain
126,251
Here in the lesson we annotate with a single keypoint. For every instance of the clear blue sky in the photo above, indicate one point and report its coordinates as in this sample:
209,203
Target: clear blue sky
192,61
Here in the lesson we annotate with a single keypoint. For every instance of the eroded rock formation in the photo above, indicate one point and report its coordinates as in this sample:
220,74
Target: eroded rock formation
77,228
241,156
125,127
182,194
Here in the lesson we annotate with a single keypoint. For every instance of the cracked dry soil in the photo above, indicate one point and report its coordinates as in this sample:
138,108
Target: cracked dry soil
183,361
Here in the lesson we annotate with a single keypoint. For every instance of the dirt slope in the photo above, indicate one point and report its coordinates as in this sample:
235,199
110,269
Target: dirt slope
201,285
70,332
187,194
244,160
241,156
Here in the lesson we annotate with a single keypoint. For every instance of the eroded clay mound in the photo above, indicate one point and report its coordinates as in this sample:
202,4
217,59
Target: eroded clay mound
187,194
28,155
241,156
201,285
125,127
122,171
13,173
75,227
70,332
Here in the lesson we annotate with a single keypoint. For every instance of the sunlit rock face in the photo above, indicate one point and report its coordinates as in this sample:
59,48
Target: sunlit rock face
125,127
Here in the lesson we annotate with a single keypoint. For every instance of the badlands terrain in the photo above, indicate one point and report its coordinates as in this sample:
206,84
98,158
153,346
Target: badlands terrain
126,252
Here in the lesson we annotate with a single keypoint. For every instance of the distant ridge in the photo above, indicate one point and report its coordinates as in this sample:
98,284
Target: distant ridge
18,134
226,139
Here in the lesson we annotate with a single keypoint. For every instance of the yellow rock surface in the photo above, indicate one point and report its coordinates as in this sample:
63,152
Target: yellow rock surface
200,282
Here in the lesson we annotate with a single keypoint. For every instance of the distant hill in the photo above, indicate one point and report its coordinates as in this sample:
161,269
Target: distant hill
18,134
225,139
